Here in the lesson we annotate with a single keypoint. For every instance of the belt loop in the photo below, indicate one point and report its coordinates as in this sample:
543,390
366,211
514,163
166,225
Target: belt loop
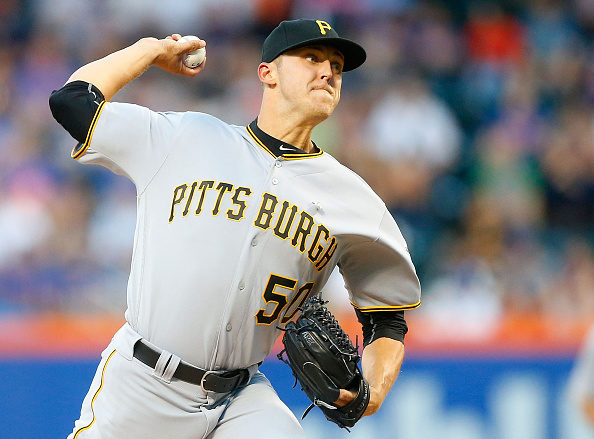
166,366
171,368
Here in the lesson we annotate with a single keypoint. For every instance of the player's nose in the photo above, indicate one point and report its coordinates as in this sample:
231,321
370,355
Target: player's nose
326,69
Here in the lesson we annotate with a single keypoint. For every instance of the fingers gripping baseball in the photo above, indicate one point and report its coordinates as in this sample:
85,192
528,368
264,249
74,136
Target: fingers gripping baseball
172,55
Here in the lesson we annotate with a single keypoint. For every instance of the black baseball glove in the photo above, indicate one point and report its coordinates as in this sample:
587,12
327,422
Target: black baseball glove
324,361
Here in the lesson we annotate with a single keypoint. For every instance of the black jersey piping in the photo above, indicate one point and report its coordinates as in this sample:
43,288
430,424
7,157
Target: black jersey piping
272,145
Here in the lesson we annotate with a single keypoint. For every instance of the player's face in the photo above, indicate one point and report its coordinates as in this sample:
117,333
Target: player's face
310,79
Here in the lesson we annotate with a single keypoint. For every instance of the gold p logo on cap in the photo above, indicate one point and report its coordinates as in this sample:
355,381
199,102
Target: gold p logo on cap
324,26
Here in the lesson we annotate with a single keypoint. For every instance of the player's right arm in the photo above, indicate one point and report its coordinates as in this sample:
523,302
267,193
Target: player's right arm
111,73
79,103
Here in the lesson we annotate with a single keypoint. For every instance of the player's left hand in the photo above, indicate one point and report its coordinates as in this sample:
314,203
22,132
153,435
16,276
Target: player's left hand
347,396
325,362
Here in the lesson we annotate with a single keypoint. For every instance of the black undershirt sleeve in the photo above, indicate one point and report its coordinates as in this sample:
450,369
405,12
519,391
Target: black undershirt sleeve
74,107
377,324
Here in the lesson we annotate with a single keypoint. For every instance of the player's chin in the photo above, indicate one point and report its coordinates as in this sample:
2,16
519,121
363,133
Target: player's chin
319,115
324,107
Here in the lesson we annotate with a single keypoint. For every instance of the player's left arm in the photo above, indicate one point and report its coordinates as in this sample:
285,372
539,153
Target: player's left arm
381,365
383,353
382,282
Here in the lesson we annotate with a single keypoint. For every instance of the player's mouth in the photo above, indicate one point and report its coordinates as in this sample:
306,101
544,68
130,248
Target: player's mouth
324,88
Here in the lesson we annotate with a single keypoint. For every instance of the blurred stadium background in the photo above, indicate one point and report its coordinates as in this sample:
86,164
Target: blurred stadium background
474,120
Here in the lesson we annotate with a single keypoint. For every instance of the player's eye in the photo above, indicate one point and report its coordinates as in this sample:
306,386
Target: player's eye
337,66
311,58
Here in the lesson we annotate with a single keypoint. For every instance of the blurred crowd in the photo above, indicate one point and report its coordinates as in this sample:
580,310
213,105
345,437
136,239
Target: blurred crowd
473,120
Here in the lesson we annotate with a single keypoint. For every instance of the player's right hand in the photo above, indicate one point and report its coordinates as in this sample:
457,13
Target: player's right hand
171,54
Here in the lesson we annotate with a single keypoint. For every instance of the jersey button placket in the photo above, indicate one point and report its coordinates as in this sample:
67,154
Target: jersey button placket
278,163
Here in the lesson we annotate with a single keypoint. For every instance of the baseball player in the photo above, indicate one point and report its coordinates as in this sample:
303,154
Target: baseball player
236,227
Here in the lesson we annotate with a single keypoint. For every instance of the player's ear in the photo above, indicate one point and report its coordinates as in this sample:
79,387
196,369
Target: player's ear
267,73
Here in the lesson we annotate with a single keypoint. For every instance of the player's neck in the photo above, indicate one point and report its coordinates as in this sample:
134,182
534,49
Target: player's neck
293,132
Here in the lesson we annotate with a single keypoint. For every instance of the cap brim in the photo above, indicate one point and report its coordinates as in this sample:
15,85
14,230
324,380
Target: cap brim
354,55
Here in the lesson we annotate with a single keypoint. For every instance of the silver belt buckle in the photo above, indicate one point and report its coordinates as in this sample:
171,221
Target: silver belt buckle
208,372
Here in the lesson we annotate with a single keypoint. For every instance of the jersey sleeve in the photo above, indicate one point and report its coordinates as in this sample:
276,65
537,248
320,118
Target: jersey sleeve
74,106
130,140
379,273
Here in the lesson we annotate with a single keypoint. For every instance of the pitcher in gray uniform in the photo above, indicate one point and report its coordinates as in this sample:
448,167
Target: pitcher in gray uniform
236,227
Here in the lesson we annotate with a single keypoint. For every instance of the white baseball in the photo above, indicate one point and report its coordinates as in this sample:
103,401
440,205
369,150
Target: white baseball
195,58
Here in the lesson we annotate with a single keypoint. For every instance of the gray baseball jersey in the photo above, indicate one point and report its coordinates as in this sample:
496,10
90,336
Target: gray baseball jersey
231,238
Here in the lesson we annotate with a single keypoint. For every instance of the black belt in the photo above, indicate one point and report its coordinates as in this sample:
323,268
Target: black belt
213,381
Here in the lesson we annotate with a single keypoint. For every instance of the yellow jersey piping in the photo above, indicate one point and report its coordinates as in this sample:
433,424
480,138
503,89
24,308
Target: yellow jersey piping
76,154
258,141
386,308
94,397
285,156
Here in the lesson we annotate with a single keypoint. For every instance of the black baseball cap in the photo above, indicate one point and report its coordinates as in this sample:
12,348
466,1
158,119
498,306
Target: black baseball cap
291,34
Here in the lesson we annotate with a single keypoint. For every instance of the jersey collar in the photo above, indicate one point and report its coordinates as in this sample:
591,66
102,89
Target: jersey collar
276,147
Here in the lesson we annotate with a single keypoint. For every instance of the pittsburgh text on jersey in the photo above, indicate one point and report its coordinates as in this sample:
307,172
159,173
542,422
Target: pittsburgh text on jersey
287,220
